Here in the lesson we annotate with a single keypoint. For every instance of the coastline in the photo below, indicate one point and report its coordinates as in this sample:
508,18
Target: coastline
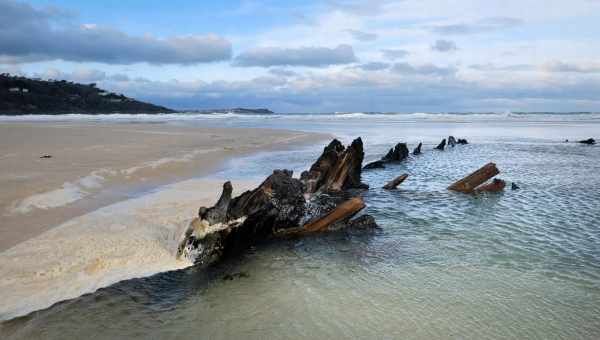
96,164
54,249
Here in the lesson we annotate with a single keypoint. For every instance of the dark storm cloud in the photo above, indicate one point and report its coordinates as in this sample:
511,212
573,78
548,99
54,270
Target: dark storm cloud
301,56
30,34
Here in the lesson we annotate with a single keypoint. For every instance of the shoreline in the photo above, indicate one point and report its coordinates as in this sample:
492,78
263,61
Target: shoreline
94,165
110,233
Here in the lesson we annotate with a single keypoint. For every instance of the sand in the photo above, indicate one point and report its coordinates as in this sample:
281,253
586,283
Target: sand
96,164
69,223
129,239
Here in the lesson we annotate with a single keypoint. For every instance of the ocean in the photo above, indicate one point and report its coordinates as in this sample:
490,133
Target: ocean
521,264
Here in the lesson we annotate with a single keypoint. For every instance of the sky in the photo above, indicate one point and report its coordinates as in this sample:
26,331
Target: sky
316,56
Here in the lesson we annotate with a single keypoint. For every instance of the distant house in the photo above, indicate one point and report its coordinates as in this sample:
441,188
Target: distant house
103,93
115,100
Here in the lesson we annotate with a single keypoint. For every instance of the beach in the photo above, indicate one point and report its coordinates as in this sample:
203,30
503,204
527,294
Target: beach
95,164
514,264
101,209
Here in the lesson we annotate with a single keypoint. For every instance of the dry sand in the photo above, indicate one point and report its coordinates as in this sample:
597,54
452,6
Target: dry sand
96,164
68,223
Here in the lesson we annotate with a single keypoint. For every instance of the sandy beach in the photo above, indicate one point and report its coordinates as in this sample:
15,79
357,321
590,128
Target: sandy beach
93,165
69,223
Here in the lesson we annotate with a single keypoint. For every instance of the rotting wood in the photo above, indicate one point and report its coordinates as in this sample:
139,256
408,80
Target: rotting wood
342,212
393,184
475,179
496,185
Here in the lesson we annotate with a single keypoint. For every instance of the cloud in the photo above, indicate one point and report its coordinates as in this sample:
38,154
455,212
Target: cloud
80,75
394,54
362,36
424,70
301,56
282,72
485,25
359,8
501,68
425,87
28,34
562,67
373,66
444,46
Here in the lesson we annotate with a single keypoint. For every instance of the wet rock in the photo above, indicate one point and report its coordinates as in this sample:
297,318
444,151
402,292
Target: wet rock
589,141
46,156
462,141
514,186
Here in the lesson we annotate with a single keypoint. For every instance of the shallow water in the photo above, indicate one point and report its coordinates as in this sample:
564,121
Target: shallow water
521,264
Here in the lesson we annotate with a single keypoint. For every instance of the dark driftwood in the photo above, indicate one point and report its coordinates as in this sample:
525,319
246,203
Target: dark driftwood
451,141
442,145
417,150
281,205
471,182
342,212
375,165
496,185
589,141
396,154
393,184
338,168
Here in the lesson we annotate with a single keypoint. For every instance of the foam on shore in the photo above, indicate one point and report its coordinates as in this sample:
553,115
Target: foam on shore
134,238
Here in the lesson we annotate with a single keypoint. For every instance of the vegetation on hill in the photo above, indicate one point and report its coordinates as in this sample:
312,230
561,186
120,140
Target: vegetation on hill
21,95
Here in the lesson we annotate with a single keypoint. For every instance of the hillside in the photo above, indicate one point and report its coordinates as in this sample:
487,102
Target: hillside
20,95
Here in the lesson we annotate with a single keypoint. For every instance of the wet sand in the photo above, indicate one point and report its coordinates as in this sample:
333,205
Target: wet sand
134,238
95,164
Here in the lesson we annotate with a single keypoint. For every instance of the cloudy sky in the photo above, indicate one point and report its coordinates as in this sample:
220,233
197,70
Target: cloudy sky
317,56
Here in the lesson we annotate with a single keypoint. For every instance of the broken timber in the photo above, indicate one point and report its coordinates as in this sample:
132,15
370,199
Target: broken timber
471,182
320,200
393,184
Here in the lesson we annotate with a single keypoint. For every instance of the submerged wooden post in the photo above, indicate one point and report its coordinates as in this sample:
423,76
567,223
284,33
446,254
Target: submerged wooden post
496,185
469,183
391,185
341,212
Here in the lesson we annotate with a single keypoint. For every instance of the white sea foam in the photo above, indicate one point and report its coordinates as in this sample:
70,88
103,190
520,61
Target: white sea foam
70,192
135,238
392,116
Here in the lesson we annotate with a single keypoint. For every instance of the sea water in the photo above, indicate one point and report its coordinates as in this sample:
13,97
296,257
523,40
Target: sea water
521,264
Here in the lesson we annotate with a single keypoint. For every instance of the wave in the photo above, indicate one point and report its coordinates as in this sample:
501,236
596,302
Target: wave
194,116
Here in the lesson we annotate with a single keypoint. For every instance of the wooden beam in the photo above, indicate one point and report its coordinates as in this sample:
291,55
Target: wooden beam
393,184
469,183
